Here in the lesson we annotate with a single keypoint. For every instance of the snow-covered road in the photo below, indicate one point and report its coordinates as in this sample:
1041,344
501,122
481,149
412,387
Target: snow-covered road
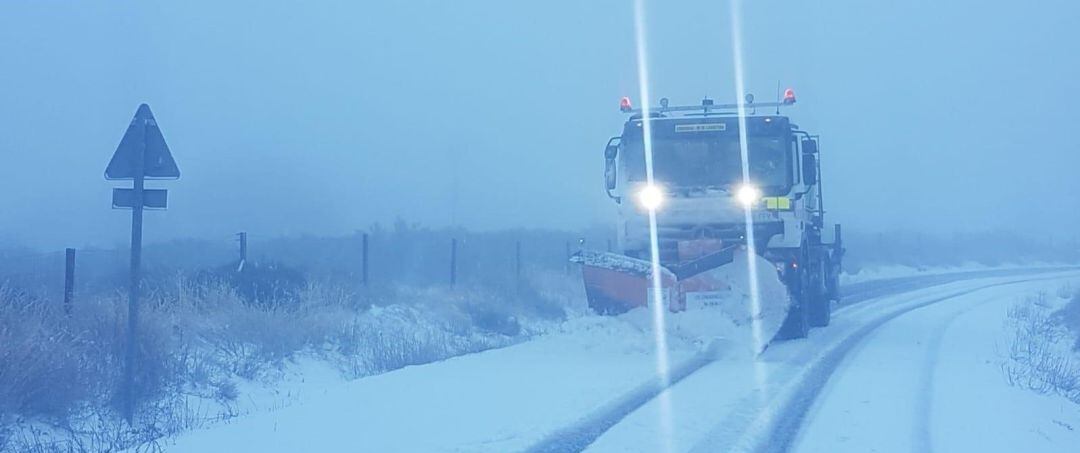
730,406
589,388
931,380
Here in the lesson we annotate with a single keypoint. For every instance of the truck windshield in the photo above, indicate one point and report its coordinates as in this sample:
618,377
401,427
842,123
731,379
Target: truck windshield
713,161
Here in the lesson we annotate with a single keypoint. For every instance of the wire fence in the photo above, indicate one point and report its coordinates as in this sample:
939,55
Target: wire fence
377,257
408,254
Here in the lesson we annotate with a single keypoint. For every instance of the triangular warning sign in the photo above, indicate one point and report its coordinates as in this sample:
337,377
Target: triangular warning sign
142,137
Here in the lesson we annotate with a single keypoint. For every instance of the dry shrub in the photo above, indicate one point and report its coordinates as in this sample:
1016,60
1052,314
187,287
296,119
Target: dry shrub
1069,316
388,338
1039,355
45,364
66,372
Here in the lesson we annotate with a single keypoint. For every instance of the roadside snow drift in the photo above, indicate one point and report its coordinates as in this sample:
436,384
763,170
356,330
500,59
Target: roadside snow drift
592,373
498,400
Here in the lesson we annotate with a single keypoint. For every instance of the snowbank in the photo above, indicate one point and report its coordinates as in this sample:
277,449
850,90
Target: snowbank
497,400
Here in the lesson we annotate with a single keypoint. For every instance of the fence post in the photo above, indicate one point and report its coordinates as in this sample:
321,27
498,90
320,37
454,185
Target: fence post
567,261
609,245
364,260
517,265
453,262
243,250
69,279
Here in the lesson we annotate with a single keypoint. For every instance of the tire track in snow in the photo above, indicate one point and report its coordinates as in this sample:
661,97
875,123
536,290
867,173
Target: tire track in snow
776,429
730,433
579,435
585,431
777,425
923,414
921,437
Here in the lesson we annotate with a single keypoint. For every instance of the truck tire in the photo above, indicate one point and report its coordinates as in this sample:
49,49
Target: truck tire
820,311
797,323
820,305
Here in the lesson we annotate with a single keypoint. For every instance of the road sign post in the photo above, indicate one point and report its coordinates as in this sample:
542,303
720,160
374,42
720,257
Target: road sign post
141,155
133,289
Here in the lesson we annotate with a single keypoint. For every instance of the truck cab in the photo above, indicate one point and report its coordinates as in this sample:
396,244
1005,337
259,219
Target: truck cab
697,174
718,176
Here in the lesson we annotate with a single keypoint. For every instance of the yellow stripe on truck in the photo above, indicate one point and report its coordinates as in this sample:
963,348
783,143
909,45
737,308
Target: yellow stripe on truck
778,203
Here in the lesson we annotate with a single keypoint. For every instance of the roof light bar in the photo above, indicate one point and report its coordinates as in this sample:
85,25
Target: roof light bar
709,107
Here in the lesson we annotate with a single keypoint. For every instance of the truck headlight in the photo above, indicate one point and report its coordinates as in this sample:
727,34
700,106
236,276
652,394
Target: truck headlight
650,197
748,195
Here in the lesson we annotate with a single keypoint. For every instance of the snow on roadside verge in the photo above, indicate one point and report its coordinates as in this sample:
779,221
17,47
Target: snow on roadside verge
516,393
497,400
1040,353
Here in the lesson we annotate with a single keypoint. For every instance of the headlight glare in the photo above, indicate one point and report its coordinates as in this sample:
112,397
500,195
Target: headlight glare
748,195
650,197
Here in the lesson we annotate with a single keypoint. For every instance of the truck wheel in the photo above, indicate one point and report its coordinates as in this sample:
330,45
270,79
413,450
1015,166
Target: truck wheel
796,325
820,305
820,311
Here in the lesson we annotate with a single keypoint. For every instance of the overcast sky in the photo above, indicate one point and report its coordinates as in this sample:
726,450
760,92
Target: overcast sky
323,117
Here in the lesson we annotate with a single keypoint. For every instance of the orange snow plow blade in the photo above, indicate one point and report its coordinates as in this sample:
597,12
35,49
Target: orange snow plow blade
617,283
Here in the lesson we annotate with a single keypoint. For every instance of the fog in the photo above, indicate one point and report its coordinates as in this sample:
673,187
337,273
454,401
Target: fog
322,118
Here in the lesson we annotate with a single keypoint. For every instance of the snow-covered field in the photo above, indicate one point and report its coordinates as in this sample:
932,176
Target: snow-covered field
529,395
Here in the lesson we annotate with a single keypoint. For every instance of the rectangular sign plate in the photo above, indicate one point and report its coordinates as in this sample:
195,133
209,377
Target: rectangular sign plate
704,299
703,127
152,198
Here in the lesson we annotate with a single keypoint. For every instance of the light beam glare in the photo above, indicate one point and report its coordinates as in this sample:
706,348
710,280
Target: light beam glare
657,305
751,252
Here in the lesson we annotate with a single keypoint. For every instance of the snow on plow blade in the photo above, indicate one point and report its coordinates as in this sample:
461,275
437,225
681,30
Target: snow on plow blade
616,283
715,287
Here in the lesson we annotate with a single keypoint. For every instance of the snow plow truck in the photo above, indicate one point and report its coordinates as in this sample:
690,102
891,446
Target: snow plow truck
712,206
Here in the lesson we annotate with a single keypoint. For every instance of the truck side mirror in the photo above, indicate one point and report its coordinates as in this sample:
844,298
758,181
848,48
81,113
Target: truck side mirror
809,169
611,151
809,146
609,173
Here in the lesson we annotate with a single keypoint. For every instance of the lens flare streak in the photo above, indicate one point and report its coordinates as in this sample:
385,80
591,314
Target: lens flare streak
751,252
657,305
